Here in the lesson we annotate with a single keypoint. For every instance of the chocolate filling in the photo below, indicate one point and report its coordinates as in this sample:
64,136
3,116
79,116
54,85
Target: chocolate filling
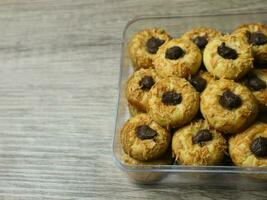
174,53
227,52
146,82
202,136
259,147
229,100
153,44
144,132
171,98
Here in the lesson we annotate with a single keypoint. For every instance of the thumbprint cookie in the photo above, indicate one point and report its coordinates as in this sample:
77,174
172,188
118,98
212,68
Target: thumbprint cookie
144,45
201,36
256,35
256,81
198,144
138,87
143,139
178,57
249,148
228,57
173,102
228,106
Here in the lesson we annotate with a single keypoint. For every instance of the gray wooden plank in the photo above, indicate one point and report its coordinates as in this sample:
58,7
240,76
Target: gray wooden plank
90,22
58,85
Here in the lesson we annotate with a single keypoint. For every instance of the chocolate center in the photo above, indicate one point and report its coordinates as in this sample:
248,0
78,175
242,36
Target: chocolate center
144,132
259,147
174,53
254,83
146,82
153,44
229,100
203,135
200,41
199,83
171,98
227,52
256,38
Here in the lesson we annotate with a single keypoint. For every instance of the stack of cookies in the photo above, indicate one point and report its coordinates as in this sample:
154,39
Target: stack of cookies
197,99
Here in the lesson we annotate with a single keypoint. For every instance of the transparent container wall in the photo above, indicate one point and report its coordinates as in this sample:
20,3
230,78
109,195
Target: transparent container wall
222,176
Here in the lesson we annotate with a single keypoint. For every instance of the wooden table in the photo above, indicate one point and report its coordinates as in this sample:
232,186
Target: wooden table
58,86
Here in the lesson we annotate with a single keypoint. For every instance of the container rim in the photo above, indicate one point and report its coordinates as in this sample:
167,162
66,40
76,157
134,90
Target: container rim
173,168
149,17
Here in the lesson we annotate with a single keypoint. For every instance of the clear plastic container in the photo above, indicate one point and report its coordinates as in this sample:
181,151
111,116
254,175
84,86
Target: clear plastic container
221,176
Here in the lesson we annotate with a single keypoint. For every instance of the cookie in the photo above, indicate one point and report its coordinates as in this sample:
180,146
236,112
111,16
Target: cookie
177,57
198,144
201,36
133,110
144,139
138,87
249,148
256,35
144,45
256,81
173,102
206,75
228,106
228,57
200,81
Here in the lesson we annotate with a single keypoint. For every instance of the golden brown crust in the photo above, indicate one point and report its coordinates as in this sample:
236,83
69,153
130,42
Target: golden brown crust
187,153
261,95
135,95
253,27
239,146
260,51
182,67
173,115
139,55
209,33
228,68
206,75
222,119
147,149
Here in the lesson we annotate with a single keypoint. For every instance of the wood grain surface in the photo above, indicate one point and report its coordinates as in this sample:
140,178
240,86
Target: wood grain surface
59,70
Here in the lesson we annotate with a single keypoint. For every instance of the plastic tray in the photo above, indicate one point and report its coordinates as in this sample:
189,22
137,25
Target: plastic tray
222,176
